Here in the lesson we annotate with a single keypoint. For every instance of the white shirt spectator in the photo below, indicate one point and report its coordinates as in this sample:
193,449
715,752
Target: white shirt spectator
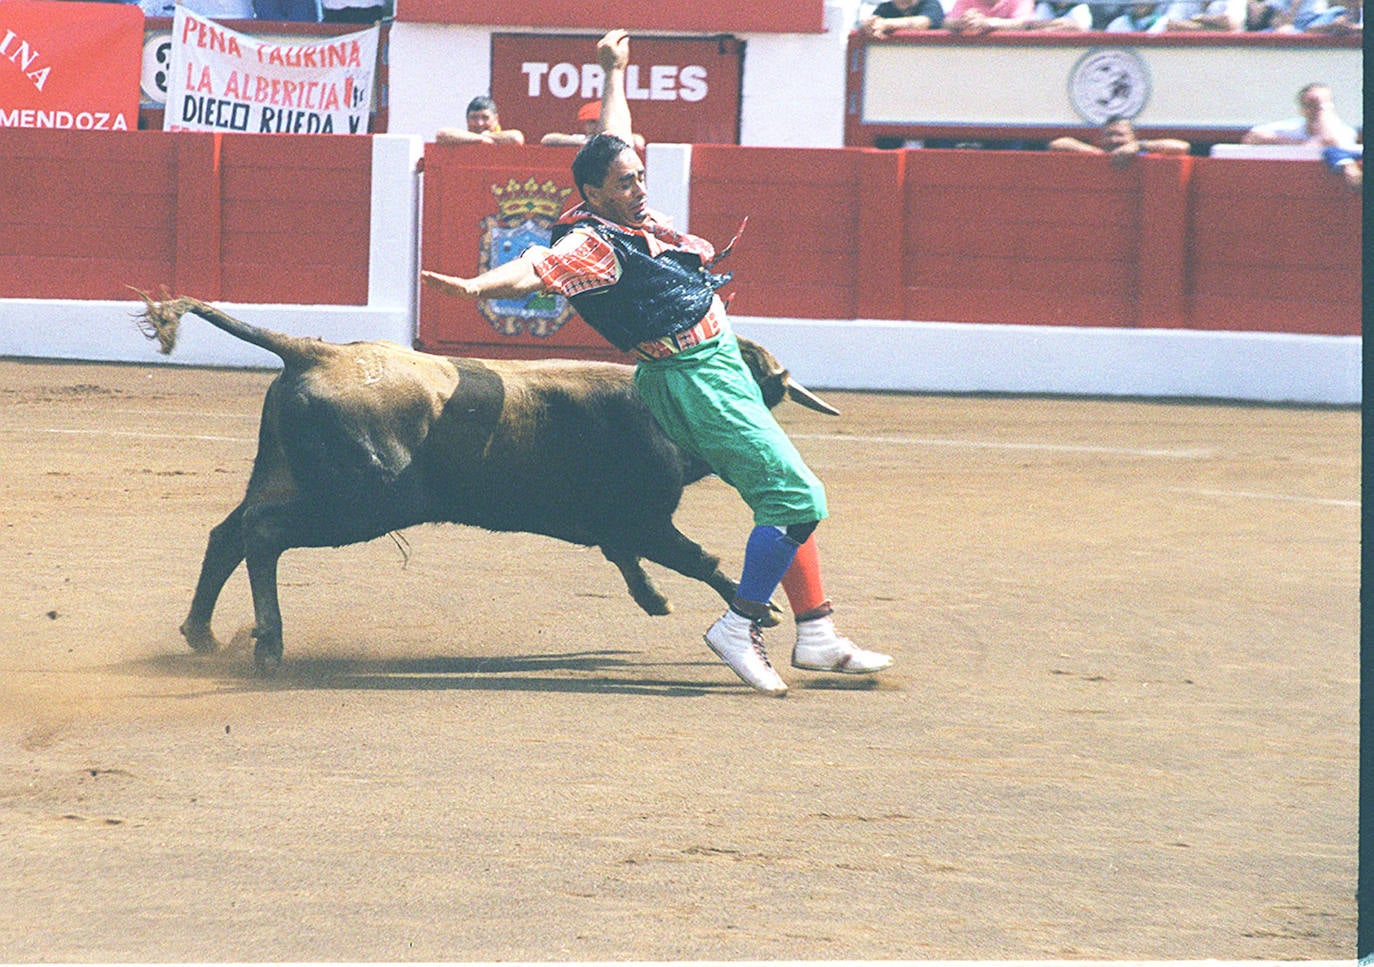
1294,131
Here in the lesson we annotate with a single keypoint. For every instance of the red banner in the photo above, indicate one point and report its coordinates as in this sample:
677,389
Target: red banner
636,16
683,91
70,65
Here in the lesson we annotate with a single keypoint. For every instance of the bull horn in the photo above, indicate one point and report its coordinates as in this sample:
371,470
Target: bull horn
798,393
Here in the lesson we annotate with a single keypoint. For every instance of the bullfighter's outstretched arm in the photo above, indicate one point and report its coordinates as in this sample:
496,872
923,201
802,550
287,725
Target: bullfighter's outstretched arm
509,280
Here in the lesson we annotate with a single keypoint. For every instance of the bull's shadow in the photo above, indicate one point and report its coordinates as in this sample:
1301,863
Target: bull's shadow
581,672
603,672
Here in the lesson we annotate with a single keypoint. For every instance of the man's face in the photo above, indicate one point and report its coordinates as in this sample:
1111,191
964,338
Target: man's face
1312,101
620,197
1117,134
483,120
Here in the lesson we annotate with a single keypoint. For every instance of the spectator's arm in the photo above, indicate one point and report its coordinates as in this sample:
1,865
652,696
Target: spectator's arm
556,140
1260,135
1074,145
1172,146
460,136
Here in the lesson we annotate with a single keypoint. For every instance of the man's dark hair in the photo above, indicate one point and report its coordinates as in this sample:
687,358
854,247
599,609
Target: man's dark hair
481,103
594,159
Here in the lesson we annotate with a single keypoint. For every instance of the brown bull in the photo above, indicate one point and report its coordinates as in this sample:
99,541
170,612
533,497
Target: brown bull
363,439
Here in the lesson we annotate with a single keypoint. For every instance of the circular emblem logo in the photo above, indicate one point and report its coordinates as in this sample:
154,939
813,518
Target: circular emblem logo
1109,82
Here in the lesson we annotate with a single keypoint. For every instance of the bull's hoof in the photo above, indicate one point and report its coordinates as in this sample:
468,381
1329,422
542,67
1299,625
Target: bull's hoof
773,618
266,654
656,606
199,636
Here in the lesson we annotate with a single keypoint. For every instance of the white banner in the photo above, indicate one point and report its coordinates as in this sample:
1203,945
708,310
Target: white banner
222,80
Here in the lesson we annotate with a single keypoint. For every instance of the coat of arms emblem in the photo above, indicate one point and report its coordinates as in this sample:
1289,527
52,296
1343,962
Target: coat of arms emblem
1109,82
525,213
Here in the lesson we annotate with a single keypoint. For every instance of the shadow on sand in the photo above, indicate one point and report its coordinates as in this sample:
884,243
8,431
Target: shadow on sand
607,672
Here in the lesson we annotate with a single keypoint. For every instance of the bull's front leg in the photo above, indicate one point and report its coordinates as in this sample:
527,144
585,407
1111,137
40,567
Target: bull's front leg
675,551
641,586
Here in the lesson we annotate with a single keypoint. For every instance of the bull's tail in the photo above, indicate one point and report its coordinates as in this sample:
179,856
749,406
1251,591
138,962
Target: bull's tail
160,320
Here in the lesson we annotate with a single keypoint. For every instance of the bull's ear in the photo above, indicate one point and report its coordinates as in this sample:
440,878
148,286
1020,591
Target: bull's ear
798,393
761,362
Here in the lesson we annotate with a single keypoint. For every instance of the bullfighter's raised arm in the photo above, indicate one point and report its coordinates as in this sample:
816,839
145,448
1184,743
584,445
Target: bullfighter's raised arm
613,54
509,280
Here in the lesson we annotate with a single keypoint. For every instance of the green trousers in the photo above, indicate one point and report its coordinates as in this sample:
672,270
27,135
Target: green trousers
706,400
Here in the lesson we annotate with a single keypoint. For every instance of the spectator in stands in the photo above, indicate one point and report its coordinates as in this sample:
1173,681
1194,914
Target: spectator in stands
1269,16
589,119
483,126
1140,18
983,16
214,9
1318,125
1056,15
1337,17
895,15
1188,15
1105,13
1117,139
355,11
1346,162
297,10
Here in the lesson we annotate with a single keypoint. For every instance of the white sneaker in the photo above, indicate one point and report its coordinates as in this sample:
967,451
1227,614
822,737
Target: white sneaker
820,648
739,643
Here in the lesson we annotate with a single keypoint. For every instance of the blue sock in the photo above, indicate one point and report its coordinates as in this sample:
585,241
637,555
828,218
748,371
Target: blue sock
767,556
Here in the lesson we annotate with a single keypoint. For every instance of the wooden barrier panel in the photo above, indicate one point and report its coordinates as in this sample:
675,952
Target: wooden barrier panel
84,213
1020,237
296,218
824,228
245,218
1275,247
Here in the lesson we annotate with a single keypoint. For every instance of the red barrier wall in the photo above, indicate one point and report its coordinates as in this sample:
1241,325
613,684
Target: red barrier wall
1035,238
818,221
1273,246
953,236
83,213
245,218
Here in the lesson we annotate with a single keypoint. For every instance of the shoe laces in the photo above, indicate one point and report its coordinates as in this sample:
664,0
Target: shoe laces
756,642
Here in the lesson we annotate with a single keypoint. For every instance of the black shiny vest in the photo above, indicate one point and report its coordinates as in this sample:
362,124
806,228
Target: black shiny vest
656,296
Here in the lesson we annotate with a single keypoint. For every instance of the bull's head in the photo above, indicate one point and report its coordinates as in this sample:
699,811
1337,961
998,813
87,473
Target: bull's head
776,382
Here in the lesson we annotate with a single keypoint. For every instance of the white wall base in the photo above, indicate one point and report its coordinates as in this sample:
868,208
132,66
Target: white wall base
936,357
919,357
107,332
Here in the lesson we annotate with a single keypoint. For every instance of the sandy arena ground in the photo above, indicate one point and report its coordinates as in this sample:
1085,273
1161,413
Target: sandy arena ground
1122,724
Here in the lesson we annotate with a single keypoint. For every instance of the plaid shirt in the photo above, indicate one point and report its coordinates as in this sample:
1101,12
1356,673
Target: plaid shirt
583,261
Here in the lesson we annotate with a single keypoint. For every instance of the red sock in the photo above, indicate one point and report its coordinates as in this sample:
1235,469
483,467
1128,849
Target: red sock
802,582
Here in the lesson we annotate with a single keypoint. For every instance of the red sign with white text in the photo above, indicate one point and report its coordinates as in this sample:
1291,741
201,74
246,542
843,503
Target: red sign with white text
696,16
70,65
684,91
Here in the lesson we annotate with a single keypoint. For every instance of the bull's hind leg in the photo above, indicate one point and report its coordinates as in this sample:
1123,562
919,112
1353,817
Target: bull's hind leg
268,531
223,554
